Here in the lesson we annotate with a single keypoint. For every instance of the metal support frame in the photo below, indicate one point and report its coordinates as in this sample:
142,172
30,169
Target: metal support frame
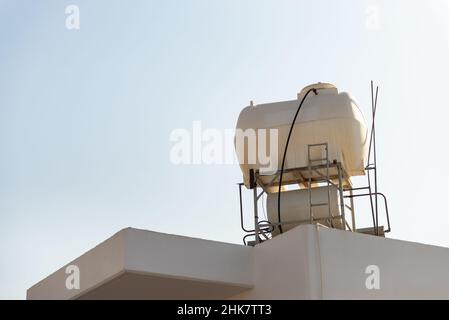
315,174
264,228
340,193
256,216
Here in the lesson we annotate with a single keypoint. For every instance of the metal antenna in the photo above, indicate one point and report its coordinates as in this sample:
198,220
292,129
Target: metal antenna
372,145
375,161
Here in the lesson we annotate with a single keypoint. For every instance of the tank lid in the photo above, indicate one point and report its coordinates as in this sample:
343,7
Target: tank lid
318,86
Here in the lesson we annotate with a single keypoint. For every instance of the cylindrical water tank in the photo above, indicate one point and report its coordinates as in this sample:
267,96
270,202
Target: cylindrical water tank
327,117
295,208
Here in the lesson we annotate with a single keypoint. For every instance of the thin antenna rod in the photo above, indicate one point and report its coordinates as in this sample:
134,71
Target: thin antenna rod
373,215
373,112
375,162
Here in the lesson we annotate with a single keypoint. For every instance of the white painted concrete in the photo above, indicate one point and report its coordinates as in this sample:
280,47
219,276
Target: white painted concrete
286,267
407,270
307,262
335,262
156,265
97,266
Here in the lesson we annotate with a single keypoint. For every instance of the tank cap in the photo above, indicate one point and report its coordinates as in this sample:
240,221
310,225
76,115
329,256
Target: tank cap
317,86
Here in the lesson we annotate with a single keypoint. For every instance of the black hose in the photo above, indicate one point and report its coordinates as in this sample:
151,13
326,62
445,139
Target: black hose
285,153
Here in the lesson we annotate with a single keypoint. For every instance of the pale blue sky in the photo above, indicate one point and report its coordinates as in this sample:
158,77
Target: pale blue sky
85,116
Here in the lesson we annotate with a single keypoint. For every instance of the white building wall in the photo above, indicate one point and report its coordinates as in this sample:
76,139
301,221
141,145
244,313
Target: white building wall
307,262
407,270
311,262
286,267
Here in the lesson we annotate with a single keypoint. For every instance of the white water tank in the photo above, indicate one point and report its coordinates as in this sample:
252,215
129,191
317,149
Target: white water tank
295,207
329,117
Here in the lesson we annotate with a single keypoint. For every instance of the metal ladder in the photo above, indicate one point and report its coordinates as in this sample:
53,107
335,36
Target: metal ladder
311,162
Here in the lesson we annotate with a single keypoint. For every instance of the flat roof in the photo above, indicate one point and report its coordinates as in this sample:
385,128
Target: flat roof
306,262
140,264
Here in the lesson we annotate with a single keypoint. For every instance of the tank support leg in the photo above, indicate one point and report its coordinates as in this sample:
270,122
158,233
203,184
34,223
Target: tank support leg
256,216
340,192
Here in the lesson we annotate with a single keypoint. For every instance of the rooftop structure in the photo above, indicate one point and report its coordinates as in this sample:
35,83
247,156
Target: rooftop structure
306,262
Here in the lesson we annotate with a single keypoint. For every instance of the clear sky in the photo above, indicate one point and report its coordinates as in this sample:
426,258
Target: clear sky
86,115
